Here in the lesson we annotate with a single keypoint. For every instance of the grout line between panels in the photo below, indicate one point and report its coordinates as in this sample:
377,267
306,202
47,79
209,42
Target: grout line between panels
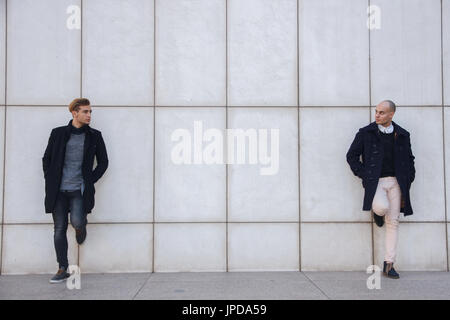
298,144
299,194
65,106
317,286
370,120
443,136
226,127
81,49
370,64
4,137
153,191
154,133
81,89
143,285
222,222
221,106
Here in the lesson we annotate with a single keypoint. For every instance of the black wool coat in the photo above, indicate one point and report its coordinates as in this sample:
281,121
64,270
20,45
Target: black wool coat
53,163
367,143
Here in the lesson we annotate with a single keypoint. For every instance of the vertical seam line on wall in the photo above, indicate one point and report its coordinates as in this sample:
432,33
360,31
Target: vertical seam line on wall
81,49
226,139
443,135
154,132
370,120
81,85
4,136
298,144
370,67
153,219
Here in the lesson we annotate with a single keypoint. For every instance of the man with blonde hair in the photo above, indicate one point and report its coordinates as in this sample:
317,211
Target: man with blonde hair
69,179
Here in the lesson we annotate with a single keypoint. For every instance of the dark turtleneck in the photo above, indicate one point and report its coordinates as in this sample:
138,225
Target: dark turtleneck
76,130
388,166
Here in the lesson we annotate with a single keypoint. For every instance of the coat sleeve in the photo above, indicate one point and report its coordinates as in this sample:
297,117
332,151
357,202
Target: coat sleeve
353,154
47,158
102,160
412,170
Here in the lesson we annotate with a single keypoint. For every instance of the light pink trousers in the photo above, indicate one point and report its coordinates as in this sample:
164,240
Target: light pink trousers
386,202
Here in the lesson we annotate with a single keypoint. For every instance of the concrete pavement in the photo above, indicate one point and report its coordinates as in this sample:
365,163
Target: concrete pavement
229,286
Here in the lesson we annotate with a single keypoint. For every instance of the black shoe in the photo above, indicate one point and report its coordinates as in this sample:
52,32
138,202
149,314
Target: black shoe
60,276
80,234
379,220
389,271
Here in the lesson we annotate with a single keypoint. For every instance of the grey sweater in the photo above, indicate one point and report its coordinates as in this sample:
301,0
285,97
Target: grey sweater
72,178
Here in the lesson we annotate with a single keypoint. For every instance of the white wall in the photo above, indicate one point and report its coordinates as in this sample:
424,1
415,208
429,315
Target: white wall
311,68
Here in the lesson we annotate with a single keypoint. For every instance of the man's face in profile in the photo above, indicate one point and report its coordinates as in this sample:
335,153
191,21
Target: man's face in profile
383,114
83,115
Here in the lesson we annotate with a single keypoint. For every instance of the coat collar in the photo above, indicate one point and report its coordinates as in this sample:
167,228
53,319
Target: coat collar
373,127
69,127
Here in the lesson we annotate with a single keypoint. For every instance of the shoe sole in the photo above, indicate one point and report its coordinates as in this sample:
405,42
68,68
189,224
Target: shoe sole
390,277
379,225
58,281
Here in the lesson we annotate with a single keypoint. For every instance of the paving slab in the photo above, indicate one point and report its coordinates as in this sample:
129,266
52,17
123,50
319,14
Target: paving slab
390,289
229,286
107,287
93,286
233,275
33,287
240,289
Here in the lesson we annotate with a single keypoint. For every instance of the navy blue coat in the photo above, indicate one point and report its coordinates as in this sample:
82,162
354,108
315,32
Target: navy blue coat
53,163
367,143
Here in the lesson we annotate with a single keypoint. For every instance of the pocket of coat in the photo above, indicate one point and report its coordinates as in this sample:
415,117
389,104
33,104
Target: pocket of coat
363,174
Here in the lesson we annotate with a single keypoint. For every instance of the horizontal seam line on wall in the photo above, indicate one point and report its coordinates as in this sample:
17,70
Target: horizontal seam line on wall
221,106
224,222
66,106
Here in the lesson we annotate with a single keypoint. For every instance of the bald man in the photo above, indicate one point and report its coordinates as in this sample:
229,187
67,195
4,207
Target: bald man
387,171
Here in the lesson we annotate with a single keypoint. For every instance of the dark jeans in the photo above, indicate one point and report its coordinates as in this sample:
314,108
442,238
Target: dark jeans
67,201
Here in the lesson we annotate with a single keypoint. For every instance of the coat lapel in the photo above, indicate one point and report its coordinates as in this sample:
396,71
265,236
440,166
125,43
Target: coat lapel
87,143
67,132
397,129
